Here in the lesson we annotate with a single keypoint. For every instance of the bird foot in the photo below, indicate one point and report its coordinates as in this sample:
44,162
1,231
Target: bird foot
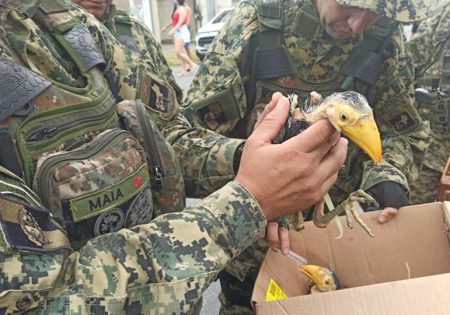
352,208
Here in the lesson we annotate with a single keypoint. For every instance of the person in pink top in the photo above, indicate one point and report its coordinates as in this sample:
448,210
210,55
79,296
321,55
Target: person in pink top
181,35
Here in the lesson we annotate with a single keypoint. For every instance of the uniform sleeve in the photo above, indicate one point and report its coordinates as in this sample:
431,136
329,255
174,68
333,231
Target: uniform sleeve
404,134
431,39
161,267
206,158
220,81
147,44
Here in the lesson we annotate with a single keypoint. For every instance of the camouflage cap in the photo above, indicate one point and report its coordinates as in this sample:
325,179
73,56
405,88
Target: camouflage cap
399,10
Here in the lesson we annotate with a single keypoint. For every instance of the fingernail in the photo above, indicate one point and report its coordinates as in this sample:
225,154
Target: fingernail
285,251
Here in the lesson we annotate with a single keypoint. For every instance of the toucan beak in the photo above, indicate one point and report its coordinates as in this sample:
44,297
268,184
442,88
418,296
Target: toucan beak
365,135
313,273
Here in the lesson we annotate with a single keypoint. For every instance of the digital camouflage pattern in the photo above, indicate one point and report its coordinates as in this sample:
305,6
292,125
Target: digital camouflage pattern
158,268
430,50
217,97
134,34
430,41
400,10
91,183
316,61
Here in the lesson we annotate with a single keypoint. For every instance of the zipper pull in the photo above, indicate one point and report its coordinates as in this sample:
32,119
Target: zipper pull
42,134
159,173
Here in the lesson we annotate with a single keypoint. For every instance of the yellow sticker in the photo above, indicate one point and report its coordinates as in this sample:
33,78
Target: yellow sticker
274,292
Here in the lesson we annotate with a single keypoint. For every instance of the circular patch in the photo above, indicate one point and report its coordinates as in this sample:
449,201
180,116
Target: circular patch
31,228
141,209
110,221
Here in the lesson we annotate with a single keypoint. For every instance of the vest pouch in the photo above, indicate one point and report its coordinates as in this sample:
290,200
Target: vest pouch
62,129
98,188
165,173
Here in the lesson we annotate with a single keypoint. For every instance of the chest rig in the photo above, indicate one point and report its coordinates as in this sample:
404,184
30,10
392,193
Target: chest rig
273,67
96,165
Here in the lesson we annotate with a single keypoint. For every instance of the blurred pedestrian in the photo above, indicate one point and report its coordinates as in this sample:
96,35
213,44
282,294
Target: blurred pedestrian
181,36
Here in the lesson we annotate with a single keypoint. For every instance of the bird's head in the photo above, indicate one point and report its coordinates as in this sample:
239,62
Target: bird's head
323,278
350,113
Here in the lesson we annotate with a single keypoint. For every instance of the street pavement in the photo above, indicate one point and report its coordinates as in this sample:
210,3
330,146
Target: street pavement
210,297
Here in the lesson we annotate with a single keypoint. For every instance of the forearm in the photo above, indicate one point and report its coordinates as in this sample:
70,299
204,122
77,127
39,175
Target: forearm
206,158
185,249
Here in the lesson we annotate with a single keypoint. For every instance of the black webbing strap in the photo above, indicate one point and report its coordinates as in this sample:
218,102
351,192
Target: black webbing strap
365,65
271,60
271,63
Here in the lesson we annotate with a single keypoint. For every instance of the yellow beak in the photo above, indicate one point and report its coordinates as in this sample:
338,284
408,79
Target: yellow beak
365,135
314,273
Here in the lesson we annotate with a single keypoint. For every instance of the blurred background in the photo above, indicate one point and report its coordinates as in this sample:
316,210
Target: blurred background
156,13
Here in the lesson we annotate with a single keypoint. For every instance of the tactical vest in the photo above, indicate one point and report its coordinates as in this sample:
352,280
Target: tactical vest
96,165
272,69
267,67
434,104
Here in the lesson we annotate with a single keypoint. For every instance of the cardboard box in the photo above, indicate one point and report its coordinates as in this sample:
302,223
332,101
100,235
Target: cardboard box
404,269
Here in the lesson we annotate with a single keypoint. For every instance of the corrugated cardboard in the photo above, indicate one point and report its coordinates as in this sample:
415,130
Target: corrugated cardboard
413,245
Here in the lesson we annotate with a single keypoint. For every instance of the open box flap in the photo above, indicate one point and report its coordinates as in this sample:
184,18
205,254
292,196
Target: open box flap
421,296
415,244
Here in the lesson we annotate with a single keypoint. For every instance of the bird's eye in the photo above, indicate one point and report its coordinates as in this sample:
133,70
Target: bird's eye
327,282
343,117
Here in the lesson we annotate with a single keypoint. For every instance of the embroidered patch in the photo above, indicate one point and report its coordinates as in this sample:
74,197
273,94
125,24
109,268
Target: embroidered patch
31,228
155,94
213,116
24,227
108,222
141,209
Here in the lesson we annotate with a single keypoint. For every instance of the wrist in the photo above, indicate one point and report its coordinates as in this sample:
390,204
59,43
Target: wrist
389,194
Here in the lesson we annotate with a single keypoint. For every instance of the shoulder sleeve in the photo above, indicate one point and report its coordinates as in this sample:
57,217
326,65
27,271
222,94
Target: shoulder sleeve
151,50
216,98
404,133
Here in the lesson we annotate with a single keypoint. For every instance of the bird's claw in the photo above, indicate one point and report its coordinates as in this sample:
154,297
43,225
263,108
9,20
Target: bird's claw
352,208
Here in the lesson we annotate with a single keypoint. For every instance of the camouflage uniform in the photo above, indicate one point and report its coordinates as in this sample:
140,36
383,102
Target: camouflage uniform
431,56
161,267
134,34
242,69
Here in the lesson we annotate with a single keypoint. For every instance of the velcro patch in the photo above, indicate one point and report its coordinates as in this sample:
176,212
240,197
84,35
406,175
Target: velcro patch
401,121
29,228
213,115
155,94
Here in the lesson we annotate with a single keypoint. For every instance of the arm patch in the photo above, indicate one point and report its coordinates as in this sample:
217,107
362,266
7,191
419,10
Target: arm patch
24,227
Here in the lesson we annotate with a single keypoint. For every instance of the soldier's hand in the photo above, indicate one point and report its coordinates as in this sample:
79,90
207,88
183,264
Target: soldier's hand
386,214
277,237
269,107
294,174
